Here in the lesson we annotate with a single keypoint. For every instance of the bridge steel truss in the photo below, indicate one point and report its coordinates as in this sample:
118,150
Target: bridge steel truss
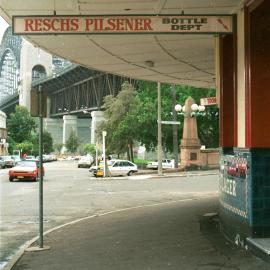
77,89
10,53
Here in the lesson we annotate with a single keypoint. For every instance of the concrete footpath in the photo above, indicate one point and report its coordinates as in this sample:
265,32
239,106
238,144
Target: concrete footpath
158,236
170,173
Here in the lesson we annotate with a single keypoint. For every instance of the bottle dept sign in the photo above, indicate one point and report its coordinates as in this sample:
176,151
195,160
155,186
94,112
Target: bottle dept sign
112,24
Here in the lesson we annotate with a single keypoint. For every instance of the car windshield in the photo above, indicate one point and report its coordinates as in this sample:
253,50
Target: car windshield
26,164
6,157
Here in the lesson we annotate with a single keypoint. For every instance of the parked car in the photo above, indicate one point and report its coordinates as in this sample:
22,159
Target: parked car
118,167
166,164
16,158
30,158
8,161
85,161
94,168
25,170
123,167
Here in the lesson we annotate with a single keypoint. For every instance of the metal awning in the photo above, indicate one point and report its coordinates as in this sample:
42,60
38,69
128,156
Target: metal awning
180,59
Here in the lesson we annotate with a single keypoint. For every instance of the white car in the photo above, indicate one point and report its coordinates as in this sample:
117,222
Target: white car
85,161
122,167
166,164
30,158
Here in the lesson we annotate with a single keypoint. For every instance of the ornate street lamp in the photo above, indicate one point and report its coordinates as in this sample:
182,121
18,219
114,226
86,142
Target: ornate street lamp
195,109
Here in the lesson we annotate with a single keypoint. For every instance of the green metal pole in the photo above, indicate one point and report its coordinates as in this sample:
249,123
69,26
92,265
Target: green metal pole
159,146
40,173
174,127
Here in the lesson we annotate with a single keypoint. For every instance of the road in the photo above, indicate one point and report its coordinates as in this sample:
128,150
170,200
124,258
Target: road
71,193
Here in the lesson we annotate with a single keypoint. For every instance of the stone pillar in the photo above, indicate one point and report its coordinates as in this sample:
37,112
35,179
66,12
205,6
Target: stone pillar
55,127
31,57
48,106
84,131
3,134
190,144
70,123
97,117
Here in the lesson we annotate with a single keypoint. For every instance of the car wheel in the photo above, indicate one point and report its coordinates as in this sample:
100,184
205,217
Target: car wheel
130,173
11,179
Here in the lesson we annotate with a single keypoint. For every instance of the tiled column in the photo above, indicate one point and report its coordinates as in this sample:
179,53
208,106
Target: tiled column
244,173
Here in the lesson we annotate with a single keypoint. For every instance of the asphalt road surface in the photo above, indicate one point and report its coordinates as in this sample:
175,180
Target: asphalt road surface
71,193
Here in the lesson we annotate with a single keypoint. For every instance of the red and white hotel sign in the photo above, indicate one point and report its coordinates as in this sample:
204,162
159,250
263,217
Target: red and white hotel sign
119,24
208,101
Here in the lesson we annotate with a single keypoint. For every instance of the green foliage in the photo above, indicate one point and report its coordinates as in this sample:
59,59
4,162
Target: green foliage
89,149
47,143
20,125
120,120
11,144
72,142
132,116
208,125
25,147
140,162
58,147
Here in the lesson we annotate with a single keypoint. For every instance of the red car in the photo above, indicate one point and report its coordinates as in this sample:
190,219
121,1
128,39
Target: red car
26,170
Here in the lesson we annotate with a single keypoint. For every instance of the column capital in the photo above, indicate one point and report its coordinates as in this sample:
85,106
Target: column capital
97,114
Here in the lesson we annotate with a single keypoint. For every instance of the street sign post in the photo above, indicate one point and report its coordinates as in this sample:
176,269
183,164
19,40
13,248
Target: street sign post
170,122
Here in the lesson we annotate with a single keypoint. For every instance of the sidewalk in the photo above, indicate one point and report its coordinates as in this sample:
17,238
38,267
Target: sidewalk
159,236
150,174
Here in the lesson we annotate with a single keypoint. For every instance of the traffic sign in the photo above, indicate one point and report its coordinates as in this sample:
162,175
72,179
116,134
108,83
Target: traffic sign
170,122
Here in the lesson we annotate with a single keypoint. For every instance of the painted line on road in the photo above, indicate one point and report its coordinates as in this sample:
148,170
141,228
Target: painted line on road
27,244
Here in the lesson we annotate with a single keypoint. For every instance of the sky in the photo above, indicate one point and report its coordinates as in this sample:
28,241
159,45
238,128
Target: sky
3,26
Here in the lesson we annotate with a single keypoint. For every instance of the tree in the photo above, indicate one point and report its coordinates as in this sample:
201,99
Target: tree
208,125
132,116
72,142
25,147
47,143
121,121
20,125
89,149
58,147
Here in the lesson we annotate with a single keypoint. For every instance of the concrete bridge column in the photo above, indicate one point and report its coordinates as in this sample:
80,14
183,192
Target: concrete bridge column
84,131
97,117
69,124
55,127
